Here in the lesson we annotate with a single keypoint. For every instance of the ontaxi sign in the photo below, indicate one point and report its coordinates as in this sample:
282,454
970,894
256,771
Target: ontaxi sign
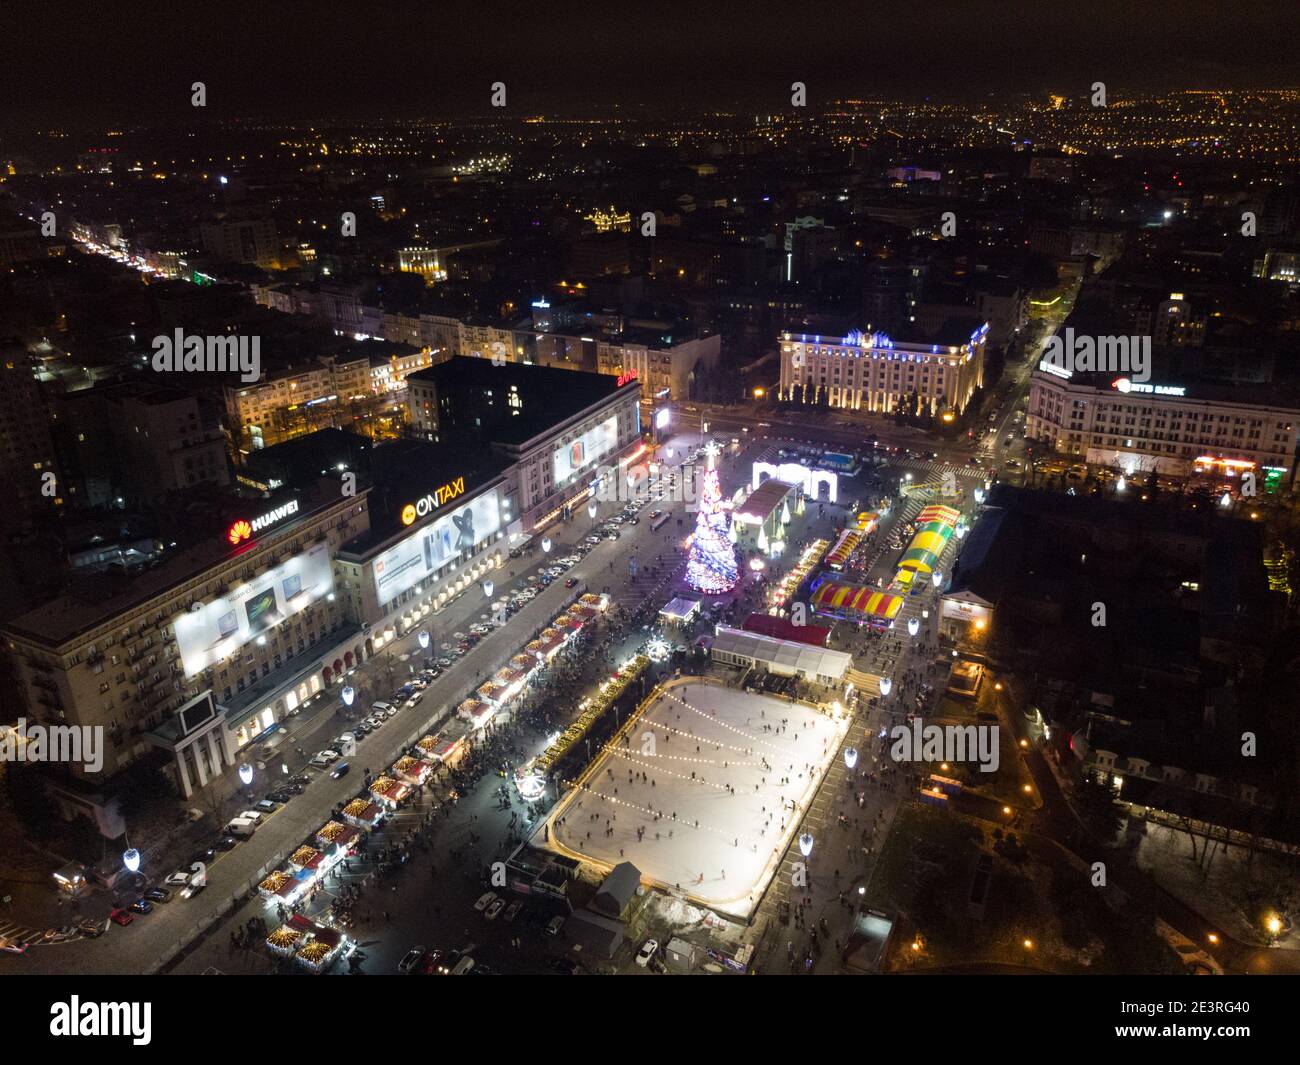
426,505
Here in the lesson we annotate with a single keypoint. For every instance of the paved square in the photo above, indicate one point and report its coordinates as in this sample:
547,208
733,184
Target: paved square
731,761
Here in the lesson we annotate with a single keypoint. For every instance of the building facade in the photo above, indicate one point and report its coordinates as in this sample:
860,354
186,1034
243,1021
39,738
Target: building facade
1169,428
250,615
873,372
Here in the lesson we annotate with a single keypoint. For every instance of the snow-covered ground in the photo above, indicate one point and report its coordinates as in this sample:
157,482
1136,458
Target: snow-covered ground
1219,889
731,762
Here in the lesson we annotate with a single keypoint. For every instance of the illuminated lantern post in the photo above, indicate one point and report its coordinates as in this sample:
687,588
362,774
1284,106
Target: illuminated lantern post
886,686
424,639
546,545
806,844
246,774
349,693
913,626
131,859
850,756
488,586
937,578
591,509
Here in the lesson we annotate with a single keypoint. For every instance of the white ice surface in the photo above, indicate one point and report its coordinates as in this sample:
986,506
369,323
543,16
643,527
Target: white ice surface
726,725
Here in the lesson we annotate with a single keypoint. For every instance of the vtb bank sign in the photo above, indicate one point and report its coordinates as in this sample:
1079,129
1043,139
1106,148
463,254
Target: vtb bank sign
426,505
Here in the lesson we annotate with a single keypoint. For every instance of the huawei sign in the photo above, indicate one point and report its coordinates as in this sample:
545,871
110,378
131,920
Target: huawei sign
243,529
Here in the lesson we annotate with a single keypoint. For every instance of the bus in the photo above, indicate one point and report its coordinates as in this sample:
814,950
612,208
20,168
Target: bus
659,519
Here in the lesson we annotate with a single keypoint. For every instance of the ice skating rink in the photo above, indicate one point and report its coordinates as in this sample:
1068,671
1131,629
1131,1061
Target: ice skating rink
698,795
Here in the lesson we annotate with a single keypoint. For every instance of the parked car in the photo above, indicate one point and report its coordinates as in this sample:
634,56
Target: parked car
267,806
572,582
648,950
60,935
141,906
494,909
158,894
178,879
120,916
512,911
485,900
92,929
411,960
554,925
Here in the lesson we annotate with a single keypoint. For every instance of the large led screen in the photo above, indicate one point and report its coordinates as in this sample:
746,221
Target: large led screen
220,627
430,547
594,444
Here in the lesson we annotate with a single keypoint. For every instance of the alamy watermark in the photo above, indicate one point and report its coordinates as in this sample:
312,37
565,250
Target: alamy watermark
1071,354
668,485
946,743
53,743
211,354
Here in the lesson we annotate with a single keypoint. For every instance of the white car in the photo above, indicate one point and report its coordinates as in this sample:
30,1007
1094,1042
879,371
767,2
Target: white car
648,950
413,958
178,878
485,900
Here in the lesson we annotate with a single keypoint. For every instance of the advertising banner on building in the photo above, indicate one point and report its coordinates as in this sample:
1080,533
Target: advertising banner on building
431,547
592,445
216,629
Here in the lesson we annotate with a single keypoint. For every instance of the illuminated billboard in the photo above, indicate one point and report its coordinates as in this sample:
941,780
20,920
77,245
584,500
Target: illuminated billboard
218,628
592,445
431,547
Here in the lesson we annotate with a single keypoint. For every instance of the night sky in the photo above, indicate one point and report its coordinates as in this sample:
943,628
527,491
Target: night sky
129,61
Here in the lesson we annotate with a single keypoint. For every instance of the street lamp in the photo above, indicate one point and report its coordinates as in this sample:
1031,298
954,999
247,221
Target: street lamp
937,578
913,626
424,638
546,545
488,586
591,509
246,774
806,844
349,693
850,756
131,859
886,686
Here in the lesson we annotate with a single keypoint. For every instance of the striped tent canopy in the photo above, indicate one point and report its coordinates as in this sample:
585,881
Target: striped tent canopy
939,513
844,547
855,602
922,554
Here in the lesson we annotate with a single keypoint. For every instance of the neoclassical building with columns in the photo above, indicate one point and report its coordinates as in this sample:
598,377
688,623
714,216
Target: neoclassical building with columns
875,372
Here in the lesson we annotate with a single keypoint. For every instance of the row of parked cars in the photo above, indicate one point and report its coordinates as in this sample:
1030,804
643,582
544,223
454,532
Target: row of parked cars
491,906
420,961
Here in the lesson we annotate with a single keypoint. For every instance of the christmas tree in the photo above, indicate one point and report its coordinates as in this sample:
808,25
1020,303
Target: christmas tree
711,567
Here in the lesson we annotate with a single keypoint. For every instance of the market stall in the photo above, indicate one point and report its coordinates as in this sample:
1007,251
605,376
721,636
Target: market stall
857,603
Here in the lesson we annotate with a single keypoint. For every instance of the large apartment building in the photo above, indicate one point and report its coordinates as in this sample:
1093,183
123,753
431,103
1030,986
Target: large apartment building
249,615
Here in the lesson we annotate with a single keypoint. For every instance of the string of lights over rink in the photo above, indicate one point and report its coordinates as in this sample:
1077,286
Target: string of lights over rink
722,724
